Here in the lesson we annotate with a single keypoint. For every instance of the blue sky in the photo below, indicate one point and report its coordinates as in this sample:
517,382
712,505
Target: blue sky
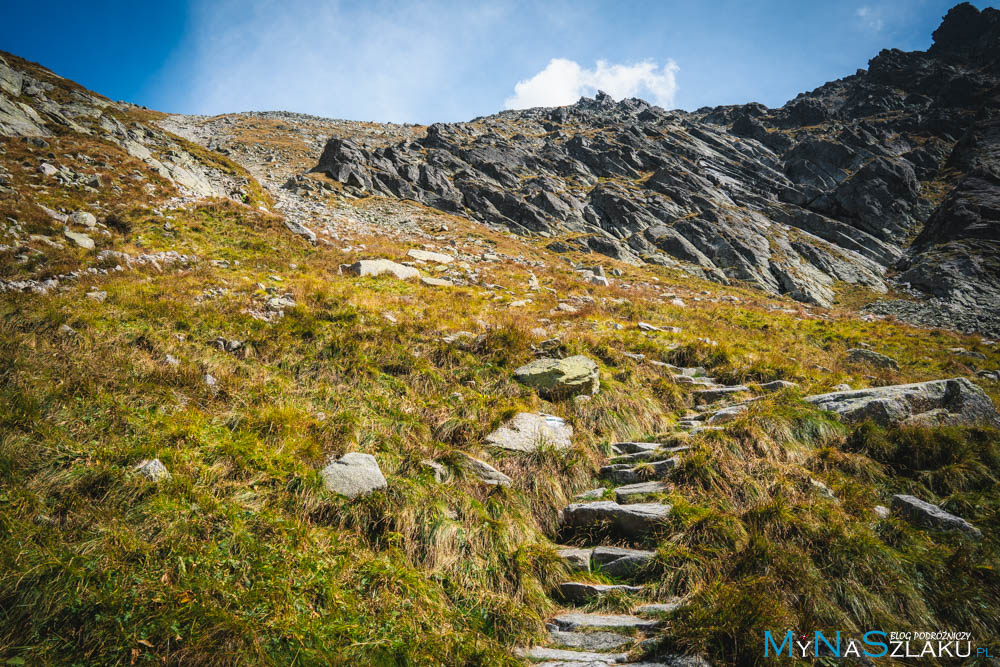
410,61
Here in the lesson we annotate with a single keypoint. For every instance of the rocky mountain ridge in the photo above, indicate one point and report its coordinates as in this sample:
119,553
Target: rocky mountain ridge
886,177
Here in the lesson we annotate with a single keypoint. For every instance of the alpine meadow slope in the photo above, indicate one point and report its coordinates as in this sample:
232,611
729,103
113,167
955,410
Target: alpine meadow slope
597,384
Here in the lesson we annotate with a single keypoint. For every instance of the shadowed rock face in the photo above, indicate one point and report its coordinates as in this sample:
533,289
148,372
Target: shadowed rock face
830,187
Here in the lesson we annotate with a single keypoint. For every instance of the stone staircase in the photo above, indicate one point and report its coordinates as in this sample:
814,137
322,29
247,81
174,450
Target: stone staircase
577,637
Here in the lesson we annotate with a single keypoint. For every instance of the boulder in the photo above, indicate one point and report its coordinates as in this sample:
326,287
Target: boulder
931,516
83,219
485,472
80,239
378,267
560,378
436,282
626,520
528,431
860,355
963,401
726,415
301,230
353,474
152,469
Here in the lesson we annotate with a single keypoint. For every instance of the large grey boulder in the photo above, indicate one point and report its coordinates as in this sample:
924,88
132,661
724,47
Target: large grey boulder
961,400
925,514
528,431
353,475
629,521
378,267
559,378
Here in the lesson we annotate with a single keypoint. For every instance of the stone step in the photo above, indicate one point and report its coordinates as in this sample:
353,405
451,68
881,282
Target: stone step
575,558
630,521
631,492
619,561
636,447
592,494
579,621
659,608
626,473
589,641
649,455
581,592
568,657
716,393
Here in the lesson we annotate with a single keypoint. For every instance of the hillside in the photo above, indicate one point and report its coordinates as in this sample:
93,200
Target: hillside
600,383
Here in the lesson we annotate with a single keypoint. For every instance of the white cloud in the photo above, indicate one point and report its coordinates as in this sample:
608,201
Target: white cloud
565,81
871,18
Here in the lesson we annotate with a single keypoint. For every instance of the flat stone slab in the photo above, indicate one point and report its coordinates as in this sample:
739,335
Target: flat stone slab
378,267
353,475
592,494
485,472
629,492
634,520
963,401
578,621
589,641
778,385
626,473
649,455
636,447
931,516
619,561
540,653
428,256
659,608
527,431
580,592
578,559
561,378
716,393
726,415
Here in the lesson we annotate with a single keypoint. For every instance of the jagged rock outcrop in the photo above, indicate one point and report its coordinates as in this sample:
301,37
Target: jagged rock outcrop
830,187
953,401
